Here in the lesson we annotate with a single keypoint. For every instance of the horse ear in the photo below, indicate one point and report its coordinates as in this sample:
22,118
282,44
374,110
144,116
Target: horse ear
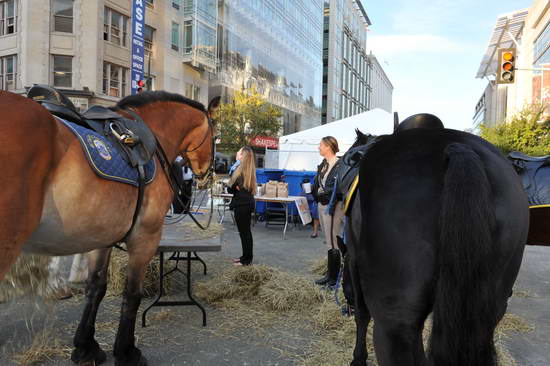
359,134
213,105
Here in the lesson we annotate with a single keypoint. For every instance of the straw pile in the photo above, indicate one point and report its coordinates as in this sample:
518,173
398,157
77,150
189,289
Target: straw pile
45,347
319,267
260,297
151,284
27,276
118,266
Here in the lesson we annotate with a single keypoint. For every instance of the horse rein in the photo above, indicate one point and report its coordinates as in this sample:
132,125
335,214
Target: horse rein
173,181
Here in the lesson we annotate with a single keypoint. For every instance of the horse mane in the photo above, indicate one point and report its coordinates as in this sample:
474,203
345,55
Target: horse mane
147,97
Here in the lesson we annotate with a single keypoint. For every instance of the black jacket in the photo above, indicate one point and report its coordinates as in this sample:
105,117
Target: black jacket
324,196
241,196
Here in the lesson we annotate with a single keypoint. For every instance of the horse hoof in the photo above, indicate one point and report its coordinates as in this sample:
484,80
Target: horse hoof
134,358
90,357
359,363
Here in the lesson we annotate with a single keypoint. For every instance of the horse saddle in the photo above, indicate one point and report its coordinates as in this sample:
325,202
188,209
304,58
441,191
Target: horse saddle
132,137
348,172
535,176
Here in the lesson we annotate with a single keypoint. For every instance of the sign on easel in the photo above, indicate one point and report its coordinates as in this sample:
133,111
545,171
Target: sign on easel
138,56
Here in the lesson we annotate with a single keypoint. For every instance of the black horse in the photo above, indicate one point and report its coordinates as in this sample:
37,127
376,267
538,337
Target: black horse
438,224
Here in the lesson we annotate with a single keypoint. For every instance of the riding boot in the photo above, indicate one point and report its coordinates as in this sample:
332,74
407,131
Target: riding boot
323,280
333,266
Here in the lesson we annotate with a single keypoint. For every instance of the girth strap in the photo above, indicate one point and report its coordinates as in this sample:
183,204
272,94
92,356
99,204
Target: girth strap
141,188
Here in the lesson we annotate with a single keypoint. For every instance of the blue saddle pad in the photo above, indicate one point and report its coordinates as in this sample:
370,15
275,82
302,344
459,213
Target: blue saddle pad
105,159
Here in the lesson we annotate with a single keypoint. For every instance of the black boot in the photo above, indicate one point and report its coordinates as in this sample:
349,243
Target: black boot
333,266
323,280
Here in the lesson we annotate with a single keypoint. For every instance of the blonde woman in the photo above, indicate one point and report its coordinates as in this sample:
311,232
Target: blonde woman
242,184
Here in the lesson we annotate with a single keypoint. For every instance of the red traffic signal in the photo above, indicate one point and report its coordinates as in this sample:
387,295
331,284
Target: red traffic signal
140,83
506,66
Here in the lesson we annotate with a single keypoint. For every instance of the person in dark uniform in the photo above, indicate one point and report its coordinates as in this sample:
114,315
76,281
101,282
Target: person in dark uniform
242,184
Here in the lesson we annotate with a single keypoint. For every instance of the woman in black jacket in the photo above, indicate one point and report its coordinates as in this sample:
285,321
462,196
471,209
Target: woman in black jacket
330,223
242,184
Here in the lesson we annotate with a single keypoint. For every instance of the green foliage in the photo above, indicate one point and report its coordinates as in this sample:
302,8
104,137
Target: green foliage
528,131
248,116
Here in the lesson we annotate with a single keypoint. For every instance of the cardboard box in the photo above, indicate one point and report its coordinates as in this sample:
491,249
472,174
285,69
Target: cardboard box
271,189
282,190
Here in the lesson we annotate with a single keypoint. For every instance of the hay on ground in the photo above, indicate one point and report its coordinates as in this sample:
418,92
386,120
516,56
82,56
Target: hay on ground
266,293
45,347
319,267
118,267
27,276
284,292
241,283
513,323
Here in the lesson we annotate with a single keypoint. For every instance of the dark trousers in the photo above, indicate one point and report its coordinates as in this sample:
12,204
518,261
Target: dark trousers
243,216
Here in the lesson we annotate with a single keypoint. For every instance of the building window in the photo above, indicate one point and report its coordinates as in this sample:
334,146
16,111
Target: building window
62,71
63,15
192,91
8,18
188,29
148,36
151,3
115,80
115,27
175,36
176,4
8,72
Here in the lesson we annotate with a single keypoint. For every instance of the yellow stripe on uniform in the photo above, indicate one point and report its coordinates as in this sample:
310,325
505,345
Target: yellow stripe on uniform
539,206
351,193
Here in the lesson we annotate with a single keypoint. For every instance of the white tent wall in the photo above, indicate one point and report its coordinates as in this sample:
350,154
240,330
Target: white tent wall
299,151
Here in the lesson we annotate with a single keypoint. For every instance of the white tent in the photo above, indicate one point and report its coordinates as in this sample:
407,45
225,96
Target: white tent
299,151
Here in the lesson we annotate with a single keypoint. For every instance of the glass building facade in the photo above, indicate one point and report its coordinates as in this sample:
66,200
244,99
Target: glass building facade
346,67
200,25
275,47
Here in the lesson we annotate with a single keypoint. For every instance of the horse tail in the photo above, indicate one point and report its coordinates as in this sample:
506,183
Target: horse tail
464,306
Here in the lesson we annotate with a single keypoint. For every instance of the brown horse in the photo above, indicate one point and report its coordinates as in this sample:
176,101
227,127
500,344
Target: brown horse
53,203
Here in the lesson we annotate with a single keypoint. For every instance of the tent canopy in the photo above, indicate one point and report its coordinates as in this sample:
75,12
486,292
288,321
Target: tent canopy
299,151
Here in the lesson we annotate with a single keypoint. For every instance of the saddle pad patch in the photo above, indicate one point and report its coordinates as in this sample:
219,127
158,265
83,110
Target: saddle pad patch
105,159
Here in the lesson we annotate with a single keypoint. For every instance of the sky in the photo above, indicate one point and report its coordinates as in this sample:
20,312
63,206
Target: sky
431,51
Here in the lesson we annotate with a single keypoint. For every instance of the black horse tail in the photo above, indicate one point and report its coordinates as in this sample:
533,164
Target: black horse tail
464,317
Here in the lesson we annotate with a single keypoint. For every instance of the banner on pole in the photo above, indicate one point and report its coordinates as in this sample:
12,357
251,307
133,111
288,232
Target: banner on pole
138,58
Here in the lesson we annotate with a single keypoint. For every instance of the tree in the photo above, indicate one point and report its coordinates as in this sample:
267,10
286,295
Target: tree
528,131
248,116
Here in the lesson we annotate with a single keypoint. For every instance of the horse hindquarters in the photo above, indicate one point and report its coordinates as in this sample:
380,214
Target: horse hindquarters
27,134
464,312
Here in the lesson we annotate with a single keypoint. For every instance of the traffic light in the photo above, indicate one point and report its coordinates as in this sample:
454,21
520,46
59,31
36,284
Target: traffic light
506,67
140,85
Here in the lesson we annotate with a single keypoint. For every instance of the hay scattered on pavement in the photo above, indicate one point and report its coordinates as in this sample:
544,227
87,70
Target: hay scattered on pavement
285,292
239,283
523,294
27,276
118,270
513,323
319,267
117,276
45,347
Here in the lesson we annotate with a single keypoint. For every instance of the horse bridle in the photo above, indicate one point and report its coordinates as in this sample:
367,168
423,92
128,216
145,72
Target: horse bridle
176,187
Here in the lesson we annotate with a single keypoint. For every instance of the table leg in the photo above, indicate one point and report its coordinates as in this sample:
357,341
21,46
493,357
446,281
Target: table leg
200,260
161,290
286,219
189,290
